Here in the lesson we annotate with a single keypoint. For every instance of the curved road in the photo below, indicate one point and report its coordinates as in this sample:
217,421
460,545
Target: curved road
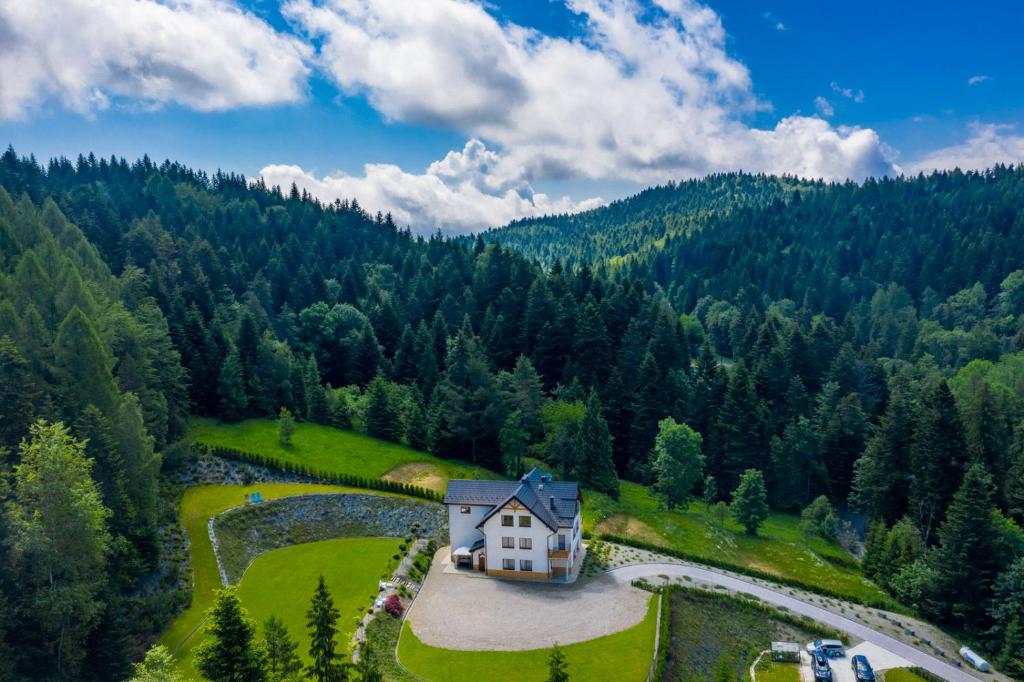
915,656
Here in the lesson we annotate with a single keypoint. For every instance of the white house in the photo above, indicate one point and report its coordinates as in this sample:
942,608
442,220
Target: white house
530,528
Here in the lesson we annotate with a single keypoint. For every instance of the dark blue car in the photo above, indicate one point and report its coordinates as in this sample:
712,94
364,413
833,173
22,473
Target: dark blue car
820,666
862,669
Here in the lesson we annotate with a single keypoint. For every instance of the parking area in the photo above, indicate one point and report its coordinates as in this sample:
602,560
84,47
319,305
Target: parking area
879,658
469,612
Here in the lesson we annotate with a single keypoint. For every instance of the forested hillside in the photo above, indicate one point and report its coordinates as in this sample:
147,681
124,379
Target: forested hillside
641,223
857,342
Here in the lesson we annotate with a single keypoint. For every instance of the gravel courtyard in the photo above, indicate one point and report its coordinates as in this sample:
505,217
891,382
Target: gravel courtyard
465,611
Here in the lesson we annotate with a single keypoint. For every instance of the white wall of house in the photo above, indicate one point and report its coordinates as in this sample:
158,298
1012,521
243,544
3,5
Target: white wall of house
537,533
462,526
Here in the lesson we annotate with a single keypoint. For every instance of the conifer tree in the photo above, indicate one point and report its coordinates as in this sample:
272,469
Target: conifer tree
558,668
232,653
285,426
710,494
416,429
322,623
20,400
83,365
381,416
283,663
512,439
140,464
234,403
594,466
937,457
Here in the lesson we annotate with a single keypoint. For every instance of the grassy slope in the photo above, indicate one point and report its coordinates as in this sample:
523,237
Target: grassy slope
625,656
351,567
780,547
332,450
703,628
901,675
198,504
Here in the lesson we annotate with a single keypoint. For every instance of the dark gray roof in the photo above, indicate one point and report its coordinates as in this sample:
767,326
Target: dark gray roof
553,502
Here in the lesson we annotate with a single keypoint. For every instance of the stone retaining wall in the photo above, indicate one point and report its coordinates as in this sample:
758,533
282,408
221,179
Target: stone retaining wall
242,534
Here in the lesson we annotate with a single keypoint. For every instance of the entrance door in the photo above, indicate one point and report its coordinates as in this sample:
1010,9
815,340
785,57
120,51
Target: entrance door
481,563
561,541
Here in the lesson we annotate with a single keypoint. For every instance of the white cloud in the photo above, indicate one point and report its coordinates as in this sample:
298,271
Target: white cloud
987,145
456,194
848,93
779,26
636,99
824,107
978,80
204,54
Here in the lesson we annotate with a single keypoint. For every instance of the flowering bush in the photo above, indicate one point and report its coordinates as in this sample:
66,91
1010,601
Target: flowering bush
393,605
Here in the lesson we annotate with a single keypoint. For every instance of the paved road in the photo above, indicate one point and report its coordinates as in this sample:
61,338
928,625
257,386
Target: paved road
915,656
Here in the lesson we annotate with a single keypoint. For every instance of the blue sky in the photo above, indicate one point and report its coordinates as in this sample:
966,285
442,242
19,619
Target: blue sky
522,107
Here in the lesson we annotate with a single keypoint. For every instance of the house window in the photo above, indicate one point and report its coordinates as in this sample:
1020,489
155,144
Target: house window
508,564
561,541
465,509
525,543
525,565
524,521
508,543
506,520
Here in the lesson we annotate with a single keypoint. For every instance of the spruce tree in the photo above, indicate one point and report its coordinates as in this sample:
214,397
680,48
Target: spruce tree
1007,615
512,439
234,403
283,663
416,431
322,623
558,668
232,653
937,457
594,466
966,559
381,416
83,365
285,426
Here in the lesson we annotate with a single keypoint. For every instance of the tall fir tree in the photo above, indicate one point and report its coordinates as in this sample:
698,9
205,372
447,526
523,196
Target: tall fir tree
594,466
232,653
322,623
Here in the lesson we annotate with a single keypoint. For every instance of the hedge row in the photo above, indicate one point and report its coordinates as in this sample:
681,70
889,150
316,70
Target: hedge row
751,572
319,475
802,622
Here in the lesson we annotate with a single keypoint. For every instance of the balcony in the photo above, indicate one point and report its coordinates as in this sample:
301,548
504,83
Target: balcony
558,554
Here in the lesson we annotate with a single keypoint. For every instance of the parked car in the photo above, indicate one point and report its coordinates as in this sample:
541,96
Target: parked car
862,669
819,664
832,648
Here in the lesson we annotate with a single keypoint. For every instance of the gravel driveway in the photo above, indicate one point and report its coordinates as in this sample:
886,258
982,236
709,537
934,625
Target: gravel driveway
460,611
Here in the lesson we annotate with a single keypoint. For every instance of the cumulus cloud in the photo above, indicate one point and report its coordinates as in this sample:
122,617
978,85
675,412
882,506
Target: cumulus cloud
824,107
456,194
641,95
848,93
987,145
978,80
204,54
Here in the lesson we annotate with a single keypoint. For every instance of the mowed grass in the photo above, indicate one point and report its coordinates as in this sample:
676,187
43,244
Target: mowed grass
623,657
780,548
198,504
282,582
774,671
336,451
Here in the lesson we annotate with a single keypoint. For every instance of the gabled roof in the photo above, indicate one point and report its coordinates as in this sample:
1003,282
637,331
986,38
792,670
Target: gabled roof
553,502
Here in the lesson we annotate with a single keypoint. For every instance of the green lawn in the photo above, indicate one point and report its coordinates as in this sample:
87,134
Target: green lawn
337,451
282,582
780,548
198,504
623,657
772,671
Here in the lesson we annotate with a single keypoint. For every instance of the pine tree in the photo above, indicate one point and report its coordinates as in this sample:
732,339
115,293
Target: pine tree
796,465
1007,615
316,399
558,668
322,622
20,398
750,501
234,402
594,466
678,463
741,424
83,364
232,653
416,431
937,457
1013,486
140,465
283,663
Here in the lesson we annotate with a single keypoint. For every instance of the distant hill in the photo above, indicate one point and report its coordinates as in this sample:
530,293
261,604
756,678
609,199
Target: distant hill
642,222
